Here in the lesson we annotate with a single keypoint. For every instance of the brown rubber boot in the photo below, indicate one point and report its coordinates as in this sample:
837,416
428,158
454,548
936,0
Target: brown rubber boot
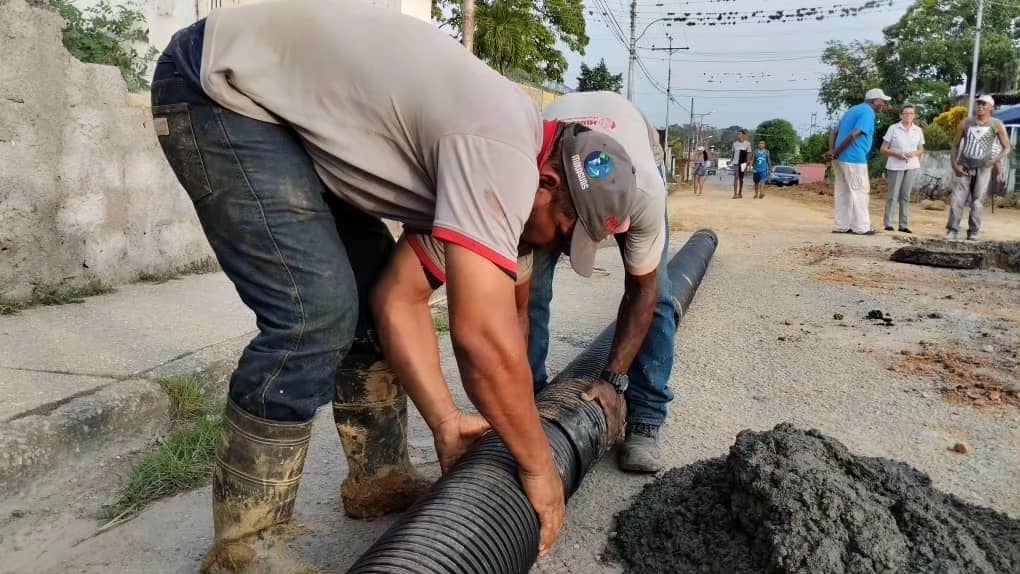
255,482
370,411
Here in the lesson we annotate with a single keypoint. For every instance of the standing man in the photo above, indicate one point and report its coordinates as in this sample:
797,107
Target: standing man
741,155
974,155
641,359
850,146
762,165
291,168
903,144
642,352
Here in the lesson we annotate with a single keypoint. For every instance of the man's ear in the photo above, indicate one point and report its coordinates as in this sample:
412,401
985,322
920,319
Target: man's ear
549,180
544,196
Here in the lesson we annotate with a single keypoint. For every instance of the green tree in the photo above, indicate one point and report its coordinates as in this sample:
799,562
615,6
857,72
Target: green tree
522,35
102,34
814,148
934,41
598,79
779,136
925,53
855,72
726,137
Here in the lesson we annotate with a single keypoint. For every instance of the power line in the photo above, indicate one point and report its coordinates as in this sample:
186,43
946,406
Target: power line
743,61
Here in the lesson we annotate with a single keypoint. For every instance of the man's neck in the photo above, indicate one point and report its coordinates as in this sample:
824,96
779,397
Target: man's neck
982,119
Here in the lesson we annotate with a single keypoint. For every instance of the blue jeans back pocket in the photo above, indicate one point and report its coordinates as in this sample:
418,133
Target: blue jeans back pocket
177,138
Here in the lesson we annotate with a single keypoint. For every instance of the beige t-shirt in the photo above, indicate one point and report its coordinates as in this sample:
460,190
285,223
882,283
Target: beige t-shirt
644,235
398,118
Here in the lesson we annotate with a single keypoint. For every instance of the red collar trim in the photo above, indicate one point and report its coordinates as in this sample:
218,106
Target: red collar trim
548,139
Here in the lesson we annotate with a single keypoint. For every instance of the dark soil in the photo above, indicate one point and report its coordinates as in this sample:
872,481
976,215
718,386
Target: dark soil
788,501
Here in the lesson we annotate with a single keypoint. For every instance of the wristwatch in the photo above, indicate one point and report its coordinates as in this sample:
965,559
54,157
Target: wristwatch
619,381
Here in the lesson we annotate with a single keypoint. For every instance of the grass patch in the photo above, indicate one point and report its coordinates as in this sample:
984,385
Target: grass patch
441,321
183,461
207,265
56,296
189,398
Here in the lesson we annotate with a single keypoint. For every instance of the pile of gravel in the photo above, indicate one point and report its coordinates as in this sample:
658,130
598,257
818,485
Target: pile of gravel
789,500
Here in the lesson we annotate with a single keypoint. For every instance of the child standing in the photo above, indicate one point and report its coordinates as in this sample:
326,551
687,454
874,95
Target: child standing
762,163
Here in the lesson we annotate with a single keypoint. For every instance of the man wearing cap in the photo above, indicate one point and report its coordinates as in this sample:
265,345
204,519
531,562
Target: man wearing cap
291,168
850,146
979,144
641,359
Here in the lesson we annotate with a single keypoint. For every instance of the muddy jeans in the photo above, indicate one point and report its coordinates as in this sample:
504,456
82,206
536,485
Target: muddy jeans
972,187
649,395
901,181
298,256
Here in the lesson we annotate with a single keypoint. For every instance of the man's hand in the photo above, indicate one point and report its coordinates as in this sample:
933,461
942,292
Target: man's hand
829,155
613,406
455,435
545,491
958,170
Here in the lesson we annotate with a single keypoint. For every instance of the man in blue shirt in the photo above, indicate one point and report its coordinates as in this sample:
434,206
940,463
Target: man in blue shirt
850,146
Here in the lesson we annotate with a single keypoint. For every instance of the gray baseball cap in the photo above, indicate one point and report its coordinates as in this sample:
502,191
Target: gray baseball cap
602,185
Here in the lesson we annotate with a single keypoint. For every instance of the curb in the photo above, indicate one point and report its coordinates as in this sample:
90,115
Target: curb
122,413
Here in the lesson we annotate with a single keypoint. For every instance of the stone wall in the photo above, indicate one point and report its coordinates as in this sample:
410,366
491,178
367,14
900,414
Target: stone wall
85,192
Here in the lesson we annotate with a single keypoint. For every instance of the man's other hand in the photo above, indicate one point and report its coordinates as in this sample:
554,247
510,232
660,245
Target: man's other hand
545,491
455,435
613,404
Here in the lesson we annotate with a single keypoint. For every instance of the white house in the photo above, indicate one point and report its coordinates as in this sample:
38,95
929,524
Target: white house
167,16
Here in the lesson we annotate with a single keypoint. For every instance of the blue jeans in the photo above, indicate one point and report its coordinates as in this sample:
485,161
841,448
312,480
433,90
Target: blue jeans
298,256
649,395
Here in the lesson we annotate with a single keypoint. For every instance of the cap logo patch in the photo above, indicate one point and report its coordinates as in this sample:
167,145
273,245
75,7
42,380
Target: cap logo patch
598,165
582,179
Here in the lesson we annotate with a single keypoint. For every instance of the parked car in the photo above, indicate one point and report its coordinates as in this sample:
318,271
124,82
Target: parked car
784,175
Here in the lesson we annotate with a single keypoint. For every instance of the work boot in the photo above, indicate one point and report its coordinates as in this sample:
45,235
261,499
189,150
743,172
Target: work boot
370,411
255,482
640,449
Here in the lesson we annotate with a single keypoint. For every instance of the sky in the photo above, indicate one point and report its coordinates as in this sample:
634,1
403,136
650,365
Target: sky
740,75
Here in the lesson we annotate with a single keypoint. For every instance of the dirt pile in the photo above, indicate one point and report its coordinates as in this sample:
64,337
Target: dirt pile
788,501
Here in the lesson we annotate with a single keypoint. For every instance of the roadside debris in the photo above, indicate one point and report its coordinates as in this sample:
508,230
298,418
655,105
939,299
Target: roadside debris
789,500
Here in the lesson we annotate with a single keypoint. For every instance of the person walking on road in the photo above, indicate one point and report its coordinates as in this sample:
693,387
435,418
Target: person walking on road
295,127
741,155
700,170
980,143
903,145
762,165
849,147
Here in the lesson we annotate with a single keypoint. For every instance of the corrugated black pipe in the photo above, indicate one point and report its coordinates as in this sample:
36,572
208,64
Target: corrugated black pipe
476,519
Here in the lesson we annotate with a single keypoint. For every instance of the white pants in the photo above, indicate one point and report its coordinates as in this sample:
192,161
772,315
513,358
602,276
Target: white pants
853,187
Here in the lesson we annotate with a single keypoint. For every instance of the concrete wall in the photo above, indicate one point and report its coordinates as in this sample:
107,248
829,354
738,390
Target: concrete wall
937,164
85,192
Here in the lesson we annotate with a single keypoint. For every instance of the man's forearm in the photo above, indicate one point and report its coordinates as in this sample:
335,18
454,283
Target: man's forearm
522,297
633,319
492,357
846,143
408,337
497,379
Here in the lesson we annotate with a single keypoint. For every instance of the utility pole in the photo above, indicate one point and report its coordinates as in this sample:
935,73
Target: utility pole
632,57
977,51
690,147
469,25
669,79
814,123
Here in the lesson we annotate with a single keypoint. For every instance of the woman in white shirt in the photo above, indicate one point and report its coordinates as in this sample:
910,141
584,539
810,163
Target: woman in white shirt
903,144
